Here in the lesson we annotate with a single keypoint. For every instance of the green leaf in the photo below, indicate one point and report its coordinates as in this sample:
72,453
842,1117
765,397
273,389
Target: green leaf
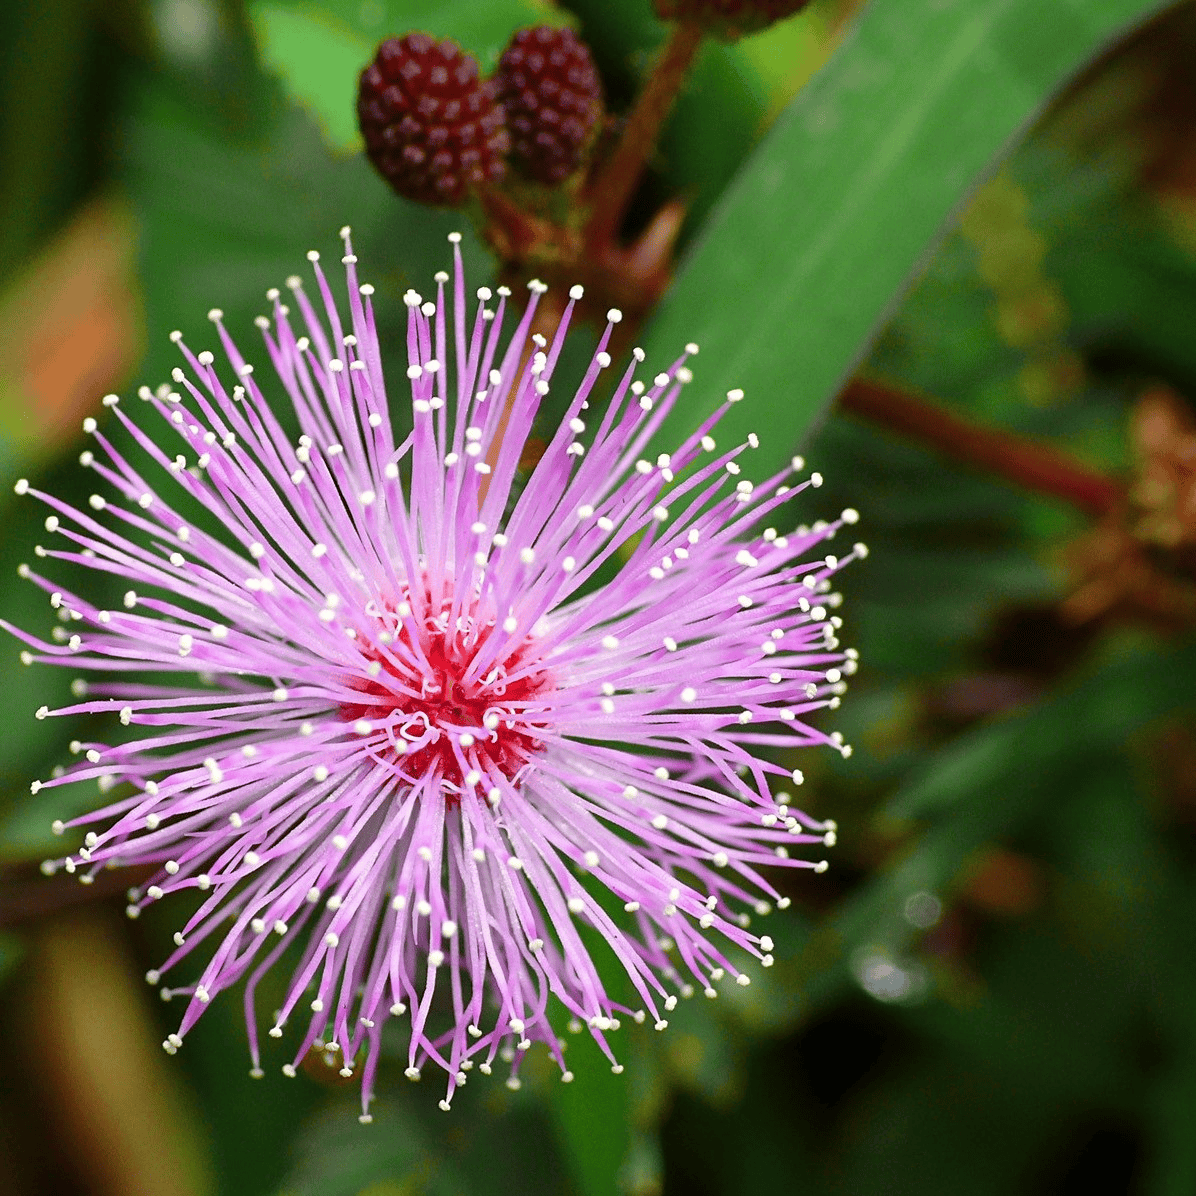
318,60
11,951
483,27
48,115
990,781
1105,708
1172,1166
837,207
338,1157
592,1116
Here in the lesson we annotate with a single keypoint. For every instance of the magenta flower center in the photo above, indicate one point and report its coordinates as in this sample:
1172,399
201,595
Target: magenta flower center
459,697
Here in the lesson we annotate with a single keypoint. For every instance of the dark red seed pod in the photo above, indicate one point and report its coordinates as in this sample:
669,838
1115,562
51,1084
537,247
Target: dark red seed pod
432,127
553,100
729,18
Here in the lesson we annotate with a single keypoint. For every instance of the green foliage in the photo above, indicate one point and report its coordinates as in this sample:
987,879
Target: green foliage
339,1158
318,60
594,1122
838,205
820,245
10,953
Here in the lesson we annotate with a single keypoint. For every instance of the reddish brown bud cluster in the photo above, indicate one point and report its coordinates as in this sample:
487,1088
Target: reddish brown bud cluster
552,97
729,18
432,127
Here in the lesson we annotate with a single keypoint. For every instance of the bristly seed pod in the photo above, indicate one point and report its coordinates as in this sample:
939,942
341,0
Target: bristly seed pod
729,19
432,127
552,97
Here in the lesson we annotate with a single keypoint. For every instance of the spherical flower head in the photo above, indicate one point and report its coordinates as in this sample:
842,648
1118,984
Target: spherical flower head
451,734
432,127
729,19
552,97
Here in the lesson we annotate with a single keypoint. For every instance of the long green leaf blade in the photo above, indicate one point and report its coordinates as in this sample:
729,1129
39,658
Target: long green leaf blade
840,203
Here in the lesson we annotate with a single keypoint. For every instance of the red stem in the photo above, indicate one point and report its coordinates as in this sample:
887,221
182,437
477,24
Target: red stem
615,183
1031,466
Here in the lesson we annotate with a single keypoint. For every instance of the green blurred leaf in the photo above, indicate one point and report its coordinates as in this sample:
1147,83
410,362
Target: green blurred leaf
938,1127
788,53
318,60
1105,708
592,1115
1172,1167
837,206
10,954
483,27
717,120
339,1157
990,782
48,117
704,1051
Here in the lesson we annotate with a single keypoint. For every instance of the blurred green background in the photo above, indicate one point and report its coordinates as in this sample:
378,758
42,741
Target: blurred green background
986,205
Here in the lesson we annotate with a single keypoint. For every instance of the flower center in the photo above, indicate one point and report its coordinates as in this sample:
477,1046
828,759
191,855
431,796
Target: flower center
456,696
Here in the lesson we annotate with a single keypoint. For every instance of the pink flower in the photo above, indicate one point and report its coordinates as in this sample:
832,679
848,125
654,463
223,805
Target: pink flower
441,736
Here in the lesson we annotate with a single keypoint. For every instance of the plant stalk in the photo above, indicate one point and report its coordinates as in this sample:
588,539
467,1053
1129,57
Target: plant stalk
613,188
1022,462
